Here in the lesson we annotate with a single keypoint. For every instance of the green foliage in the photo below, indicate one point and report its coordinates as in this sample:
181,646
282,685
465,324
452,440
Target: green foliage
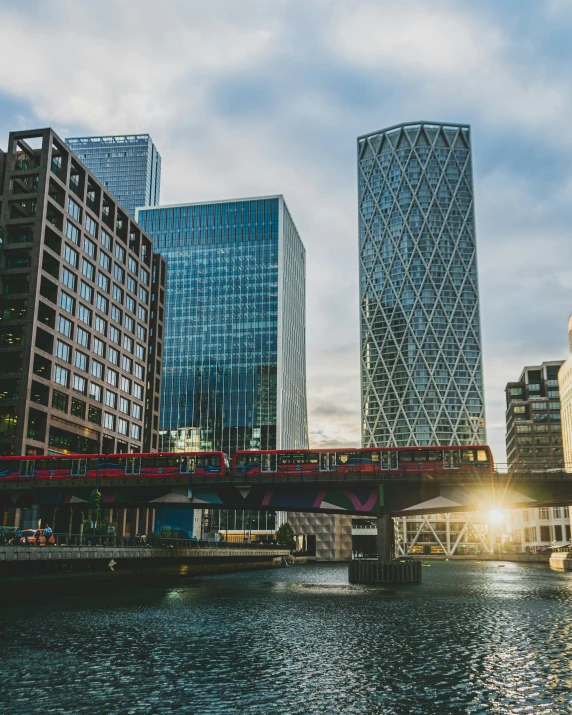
285,535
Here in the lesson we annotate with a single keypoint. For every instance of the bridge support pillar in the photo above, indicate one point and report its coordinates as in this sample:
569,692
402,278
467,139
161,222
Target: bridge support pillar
385,538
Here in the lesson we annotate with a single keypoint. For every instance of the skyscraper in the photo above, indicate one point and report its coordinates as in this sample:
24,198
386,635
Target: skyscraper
81,307
234,353
129,167
421,362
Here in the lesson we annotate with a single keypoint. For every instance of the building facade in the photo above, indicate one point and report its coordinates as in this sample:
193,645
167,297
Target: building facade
81,309
540,528
533,418
421,359
565,389
129,167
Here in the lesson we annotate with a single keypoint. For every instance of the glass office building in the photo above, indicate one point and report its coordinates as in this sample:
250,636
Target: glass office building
234,364
421,360
129,167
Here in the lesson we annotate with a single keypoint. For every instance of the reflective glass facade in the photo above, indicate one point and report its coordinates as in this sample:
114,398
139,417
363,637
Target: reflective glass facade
234,351
128,166
421,360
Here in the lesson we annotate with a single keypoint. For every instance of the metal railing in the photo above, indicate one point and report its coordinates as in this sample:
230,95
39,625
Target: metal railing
148,541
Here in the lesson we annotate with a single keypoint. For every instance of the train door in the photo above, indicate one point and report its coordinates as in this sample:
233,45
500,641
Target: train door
389,460
26,468
79,467
327,461
451,459
188,465
268,463
133,465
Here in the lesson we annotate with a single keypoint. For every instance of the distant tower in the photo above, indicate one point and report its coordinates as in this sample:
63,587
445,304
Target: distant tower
128,166
421,360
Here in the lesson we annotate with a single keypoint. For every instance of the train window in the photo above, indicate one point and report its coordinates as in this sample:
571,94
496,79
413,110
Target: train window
8,466
171,461
148,461
92,463
374,456
25,469
342,457
482,455
247,460
284,459
468,455
121,462
434,455
406,457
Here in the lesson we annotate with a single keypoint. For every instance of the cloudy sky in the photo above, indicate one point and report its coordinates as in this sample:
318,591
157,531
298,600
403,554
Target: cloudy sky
253,97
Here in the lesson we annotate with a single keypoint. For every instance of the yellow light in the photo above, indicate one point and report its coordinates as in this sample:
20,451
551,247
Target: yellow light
496,516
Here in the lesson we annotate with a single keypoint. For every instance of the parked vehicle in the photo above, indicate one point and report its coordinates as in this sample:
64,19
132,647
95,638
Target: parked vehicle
33,537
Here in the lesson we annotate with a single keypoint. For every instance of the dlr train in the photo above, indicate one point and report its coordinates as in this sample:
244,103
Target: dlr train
386,462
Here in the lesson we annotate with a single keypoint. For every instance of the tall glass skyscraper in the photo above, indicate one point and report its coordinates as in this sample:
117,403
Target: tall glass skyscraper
234,363
421,359
128,166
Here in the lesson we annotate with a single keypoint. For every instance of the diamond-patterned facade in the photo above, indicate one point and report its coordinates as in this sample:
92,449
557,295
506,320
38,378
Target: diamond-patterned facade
421,358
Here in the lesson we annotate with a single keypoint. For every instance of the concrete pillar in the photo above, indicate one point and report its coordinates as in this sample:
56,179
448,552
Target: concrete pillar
153,519
54,514
448,522
136,527
70,525
146,521
385,538
122,522
17,517
81,528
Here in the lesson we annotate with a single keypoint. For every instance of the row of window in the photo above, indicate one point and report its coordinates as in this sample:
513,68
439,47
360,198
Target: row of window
81,360
84,338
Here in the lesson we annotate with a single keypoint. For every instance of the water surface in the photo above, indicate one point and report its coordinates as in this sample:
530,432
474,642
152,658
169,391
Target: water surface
473,638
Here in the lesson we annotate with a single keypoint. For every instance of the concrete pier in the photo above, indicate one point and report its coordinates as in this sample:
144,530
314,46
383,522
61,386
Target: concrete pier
385,572
561,561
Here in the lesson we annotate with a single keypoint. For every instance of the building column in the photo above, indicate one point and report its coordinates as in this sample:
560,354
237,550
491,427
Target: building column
153,519
17,517
448,527
122,522
136,529
146,521
385,538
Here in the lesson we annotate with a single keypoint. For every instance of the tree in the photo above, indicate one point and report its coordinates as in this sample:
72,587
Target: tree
285,535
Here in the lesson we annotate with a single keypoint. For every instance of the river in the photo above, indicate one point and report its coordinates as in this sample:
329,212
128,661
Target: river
473,638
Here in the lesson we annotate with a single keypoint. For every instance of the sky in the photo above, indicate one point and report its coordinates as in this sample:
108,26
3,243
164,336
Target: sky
261,97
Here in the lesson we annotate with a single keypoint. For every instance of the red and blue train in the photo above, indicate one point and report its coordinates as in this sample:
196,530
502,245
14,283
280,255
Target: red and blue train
251,463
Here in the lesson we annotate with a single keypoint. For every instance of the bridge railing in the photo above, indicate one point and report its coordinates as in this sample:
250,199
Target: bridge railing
150,541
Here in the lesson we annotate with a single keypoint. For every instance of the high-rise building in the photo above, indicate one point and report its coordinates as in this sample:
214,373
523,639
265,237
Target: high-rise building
234,354
129,167
421,361
234,351
565,390
81,309
533,419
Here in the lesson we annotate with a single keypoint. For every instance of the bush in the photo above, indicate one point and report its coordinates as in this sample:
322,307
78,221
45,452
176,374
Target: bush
285,535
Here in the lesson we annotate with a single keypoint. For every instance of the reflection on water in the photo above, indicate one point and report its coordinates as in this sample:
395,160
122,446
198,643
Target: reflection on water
472,639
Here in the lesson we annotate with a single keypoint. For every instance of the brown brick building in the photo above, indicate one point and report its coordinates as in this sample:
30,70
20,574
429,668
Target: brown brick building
81,309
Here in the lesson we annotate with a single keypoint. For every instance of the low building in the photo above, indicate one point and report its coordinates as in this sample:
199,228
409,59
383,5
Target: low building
540,528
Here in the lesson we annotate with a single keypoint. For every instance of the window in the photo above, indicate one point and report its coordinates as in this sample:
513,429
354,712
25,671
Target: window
523,428
69,279
87,269
533,387
117,293
103,281
67,302
72,232
126,385
60,401
78,408
139,371
127,343
553,394
114,334
131,285
544,513
519,410
143,295
144,276
111,377
129,303
63,351
129,323
104,260
124,405
108,421
141,313
102,304
86,292
137,391
132,265
118,273
525,515
95,391
105,239
94,415
555,416
89,247
79,384
556,512
113,355
100,325
61,376
74,210
81,360
110,399
91,227
65,326
116,314
540,417
139,352
70,255
122,426
97,369
135,432
127,364
141,332
119,253
84,314
538,405
515,391
554,405
136,411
